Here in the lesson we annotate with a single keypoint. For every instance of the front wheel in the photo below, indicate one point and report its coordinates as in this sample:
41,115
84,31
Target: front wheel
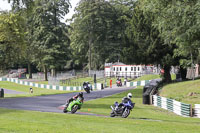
74,109
126,113
65,110
112,114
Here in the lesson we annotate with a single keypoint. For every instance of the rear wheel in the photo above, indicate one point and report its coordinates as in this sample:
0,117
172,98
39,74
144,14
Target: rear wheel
87,90
126,113
74,109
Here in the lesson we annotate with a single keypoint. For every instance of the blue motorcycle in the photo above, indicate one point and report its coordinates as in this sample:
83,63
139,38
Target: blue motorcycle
122,109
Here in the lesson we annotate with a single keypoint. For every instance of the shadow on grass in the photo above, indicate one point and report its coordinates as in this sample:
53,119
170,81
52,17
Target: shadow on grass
5,111
162,120
147,119
95,106
137,93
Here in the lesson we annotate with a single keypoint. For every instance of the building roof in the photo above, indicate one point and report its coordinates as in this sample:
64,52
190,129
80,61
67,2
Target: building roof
118,63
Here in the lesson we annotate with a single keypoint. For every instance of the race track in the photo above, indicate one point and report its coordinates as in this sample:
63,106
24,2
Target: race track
52,103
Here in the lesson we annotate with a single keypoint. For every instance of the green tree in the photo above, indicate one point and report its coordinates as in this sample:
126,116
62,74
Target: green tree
148,45
50,37
25,9
12,42
178,23
96,34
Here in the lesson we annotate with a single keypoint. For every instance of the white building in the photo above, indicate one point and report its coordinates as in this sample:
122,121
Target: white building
122,70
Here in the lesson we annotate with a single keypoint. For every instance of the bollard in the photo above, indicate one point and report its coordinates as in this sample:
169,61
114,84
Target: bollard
2,93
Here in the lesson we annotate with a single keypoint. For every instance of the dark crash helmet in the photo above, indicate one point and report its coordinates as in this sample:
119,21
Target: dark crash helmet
81,94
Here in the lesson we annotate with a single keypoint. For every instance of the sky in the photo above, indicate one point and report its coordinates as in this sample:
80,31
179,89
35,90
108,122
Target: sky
4,5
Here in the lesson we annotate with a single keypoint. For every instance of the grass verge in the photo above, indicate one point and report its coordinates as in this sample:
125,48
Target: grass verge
25,89
143,118
187,91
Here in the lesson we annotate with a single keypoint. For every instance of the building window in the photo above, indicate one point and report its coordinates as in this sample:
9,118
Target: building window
120,69
131,68
134,68
138,68
114,68
125,68
117,69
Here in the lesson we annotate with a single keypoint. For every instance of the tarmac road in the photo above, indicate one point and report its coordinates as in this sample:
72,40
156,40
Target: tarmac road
52,103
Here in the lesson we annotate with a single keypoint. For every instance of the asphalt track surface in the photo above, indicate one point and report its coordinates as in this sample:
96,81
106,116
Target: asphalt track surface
7,91
54,103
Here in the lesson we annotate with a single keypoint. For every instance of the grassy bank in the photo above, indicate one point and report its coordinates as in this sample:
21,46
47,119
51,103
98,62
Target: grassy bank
147,77
25,89
143,119
187,92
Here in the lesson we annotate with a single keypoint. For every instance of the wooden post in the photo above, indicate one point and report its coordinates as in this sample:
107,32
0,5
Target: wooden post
191,111
151,99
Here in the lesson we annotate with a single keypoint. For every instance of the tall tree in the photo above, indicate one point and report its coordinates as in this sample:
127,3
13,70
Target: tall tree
25,8
50,34
12,42
178,23
96,36
149,47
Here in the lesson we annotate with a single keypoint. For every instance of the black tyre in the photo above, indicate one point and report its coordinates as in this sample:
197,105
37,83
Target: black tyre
74,109
126,113
87,90
112,114
65,110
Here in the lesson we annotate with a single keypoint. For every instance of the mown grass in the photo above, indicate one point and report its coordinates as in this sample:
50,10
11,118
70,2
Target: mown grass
26,89
182,91
143,119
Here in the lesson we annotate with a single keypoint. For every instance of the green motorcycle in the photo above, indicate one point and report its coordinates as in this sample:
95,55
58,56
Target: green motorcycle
73,106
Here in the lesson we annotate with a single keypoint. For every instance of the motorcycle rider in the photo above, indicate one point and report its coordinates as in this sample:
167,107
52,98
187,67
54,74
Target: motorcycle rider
118,81
89,85
125,100
80,95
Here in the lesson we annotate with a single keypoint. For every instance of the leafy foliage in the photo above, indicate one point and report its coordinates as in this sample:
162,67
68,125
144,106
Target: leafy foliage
12,42
96,33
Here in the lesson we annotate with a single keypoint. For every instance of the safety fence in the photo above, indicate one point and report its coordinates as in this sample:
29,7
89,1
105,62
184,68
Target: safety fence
96,86
173,105
197,110
137,83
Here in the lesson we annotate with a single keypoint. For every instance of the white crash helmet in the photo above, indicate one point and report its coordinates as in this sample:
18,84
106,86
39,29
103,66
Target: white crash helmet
129,95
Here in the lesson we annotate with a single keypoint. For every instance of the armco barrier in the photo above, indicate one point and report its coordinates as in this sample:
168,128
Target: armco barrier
173,105
197,110
97,86
137,83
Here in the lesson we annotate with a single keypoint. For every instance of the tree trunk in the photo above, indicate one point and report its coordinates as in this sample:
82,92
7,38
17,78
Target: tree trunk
29,70
183,72
90,54
45,73
53,72
167,75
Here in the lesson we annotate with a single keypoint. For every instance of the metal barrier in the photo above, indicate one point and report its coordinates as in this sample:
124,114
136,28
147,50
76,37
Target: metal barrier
173,105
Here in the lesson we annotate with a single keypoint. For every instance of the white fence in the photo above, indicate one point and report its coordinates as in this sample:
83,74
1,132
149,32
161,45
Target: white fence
197,110
97,86
173,105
